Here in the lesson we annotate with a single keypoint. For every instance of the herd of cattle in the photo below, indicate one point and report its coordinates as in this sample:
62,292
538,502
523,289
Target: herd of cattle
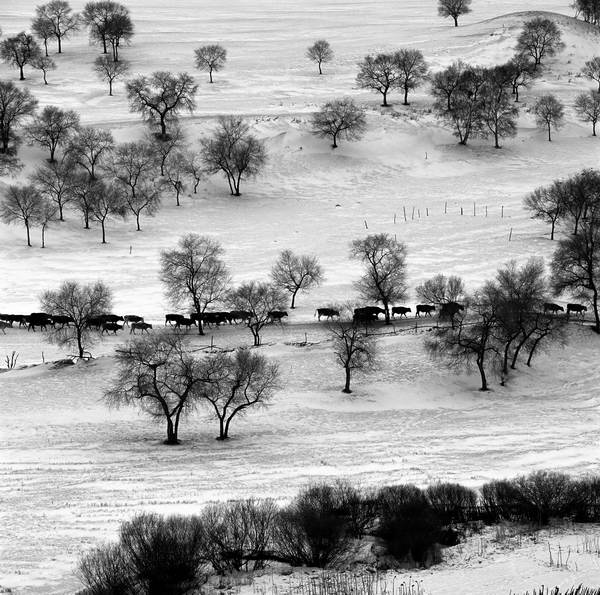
111,323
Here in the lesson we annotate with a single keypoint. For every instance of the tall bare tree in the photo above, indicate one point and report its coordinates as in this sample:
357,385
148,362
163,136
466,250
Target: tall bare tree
547,203
379,73
539,38
587,108
48,213
57,181
159,374
237,382
194,274
91,148
20,50
175,174
234,151
43,29
384,277
320,52
454,9
259,299
161,97
549,113
295,273
109,70
21,204
105,202
15,105
53,127
353,348
100,17
211,58
62,18
340,118
79,302
441,289
45,64
412,69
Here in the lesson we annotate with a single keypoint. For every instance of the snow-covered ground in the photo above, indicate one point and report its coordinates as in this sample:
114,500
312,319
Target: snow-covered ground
72,470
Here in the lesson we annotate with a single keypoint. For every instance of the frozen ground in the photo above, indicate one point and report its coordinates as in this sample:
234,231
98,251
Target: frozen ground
72,470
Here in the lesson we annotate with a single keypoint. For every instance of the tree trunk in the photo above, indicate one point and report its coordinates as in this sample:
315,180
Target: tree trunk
210,75
552,229
177,191
222,430
137,221
385,103
293,305
21,75
103,232
549,136
171,433
196,182
86,220
79,343
46,47
533,348
43,236
163,132
52,151
496,140
484,386
406,96
596,311
45,81
256,335
455,21
346,388
60,211
594,128
320,71
28,234
334,146
104,48
110,87
58,37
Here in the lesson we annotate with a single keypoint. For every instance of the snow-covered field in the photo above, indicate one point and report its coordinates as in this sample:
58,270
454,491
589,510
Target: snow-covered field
73,470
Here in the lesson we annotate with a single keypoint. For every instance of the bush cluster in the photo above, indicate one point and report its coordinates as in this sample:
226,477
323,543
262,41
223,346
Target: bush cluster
175,555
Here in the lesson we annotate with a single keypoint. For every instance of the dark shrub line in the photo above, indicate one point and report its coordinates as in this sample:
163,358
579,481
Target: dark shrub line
174,555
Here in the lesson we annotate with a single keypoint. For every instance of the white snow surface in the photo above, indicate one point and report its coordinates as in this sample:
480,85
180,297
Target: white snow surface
72,470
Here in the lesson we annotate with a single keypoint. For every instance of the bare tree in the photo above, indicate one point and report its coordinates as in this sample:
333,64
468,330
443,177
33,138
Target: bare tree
379,73
576,263
47,214
104,203
61,16
80,303
539,38
353,349
175,172
86,191
454,9
211,58
497,112
43,29
194,167
56,182
131,166
100,17
233,151
549,113
591,70
340,118
161,97
109,70
296,273
587,108
15,105
237,382
259,299
469,341
320,52
412,69
90,148
522,71
52,128
163,147
194,274
44,64
21,204
548,204
20,50
384,278
159,374
119,29
441,289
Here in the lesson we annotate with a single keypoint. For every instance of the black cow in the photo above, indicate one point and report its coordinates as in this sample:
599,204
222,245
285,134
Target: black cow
40,319
402,310
4,325
95,322
132,318
450,309
173,318
111,327
425,309
111,318
236,316
183,321
553,308
277,316
139,326
579,309
216,318
62,320
367,314
10,318
329,313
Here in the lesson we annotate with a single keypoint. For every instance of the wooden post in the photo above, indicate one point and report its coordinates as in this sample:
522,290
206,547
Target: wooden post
486,210
404,209
445,207
413,213
510,235
366,226
461,210
427,211
502,212
474,209
419,213
394,218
